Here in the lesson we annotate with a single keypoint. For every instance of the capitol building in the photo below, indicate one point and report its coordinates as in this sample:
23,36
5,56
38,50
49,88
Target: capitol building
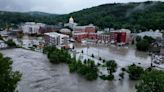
71,23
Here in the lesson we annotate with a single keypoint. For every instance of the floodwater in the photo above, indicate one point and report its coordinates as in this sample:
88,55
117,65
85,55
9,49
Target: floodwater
124,56
41,76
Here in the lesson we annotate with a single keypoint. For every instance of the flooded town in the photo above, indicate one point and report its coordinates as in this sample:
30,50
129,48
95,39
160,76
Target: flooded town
70,56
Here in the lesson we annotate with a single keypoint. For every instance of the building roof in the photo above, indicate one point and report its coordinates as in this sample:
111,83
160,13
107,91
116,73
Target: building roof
55,34
121,30
65,30
83,27
151,34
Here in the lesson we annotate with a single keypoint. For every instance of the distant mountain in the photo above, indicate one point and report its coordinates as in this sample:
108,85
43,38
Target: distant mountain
135,16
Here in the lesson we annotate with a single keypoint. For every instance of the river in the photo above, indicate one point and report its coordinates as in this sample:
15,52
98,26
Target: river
41,76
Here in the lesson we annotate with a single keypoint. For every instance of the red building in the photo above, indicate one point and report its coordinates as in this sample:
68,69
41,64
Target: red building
120,36
90,29
84,32
48,29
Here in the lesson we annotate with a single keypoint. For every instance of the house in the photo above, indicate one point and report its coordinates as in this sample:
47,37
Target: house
56,39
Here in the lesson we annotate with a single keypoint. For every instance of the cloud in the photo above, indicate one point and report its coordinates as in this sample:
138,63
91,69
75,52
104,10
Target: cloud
14,5
53,6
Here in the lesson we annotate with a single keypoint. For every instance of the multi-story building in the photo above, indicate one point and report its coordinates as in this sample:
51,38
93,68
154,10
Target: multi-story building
84,32
56,39
86,29
31,27
121,36
47,29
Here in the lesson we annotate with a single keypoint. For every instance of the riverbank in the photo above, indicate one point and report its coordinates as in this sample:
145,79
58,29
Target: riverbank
39,76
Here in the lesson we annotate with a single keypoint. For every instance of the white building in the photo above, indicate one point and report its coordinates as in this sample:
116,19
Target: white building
152,34
71,23
32,27
56,39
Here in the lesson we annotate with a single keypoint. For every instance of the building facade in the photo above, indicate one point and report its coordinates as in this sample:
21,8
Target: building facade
71,23
56,39
31,27
84,32
121,36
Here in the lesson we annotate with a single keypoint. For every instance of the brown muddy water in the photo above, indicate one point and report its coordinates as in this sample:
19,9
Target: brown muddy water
41,76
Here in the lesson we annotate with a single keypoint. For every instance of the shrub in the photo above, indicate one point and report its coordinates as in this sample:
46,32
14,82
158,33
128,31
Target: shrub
92,56
10,43
121,75
107,77
123,69
100,58
135,72
88,70
111,66
82,51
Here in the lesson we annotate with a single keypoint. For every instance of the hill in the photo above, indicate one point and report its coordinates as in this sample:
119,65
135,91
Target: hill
135,16
14,18
145,15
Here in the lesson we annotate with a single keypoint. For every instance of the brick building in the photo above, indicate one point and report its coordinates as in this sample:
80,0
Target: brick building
121,36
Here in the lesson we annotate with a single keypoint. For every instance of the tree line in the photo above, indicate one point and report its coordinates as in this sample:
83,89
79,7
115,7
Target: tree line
135,16
87,68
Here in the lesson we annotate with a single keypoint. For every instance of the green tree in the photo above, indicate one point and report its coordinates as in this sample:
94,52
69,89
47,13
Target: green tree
8,78
149,39
111,66
151,81
138,38
135,72
142,45
10,43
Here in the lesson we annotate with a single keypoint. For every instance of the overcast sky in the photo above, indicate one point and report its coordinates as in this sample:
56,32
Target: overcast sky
54,6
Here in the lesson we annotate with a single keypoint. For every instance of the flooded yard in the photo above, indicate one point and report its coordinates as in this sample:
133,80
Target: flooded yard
41,76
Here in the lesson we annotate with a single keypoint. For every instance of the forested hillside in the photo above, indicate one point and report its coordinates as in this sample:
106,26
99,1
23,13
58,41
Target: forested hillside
147,15
135,16
14,18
